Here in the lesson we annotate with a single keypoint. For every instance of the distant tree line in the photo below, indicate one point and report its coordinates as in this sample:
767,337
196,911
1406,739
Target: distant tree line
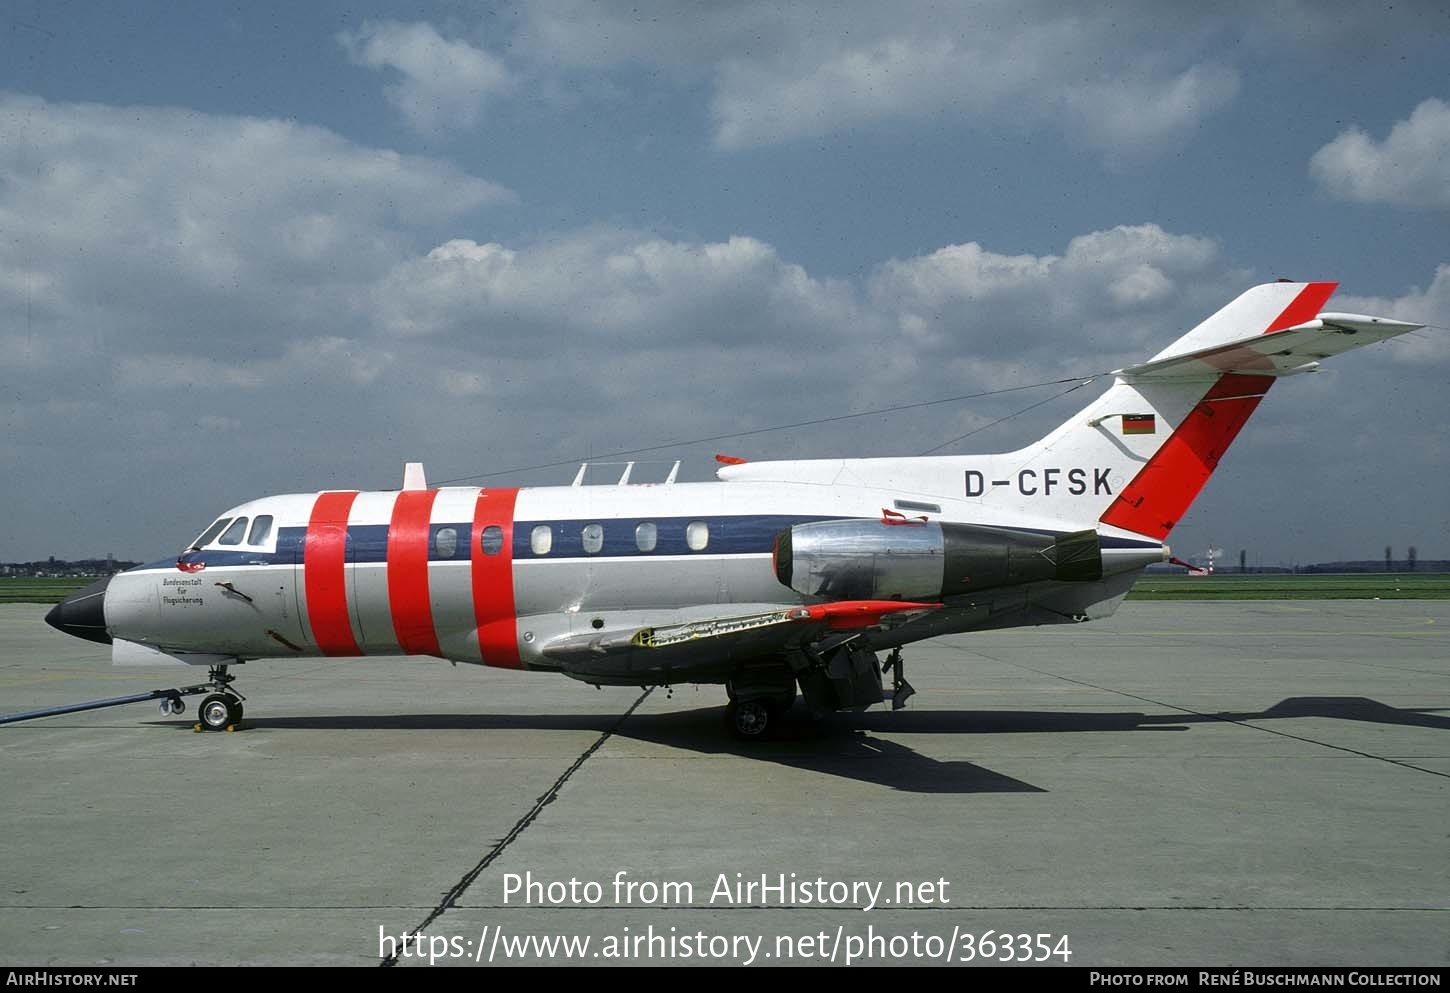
1361,565
64,567
1374,565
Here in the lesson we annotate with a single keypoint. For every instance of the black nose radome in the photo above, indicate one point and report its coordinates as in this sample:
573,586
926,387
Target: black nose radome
83,613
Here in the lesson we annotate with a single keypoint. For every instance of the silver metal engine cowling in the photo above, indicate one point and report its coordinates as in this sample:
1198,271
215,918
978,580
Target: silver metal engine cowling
873,560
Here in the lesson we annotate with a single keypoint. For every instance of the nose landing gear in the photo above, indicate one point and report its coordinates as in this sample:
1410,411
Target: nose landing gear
222,711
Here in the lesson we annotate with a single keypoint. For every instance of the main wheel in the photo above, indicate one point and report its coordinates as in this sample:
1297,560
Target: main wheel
749,720
216,712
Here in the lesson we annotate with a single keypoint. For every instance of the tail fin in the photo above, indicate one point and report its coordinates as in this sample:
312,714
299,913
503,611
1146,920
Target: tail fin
1137,457
1258,311
1133,460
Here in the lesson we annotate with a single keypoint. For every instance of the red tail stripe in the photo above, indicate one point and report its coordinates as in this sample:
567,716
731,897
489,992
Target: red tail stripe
1163,489
493,581
409,599
1305,307
324,568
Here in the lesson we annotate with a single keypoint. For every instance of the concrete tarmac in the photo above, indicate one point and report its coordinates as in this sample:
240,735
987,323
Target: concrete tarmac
1236,784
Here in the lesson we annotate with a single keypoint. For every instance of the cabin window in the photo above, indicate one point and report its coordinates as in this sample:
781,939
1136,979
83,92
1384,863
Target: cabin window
646,536
593,535
697,535
541,539
234,534
492,540
445,543
209,535
261,530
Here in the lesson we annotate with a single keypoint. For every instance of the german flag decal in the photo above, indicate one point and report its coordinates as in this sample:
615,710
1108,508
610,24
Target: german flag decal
1139,424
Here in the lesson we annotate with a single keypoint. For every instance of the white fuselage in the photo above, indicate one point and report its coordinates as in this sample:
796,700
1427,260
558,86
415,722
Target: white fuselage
491,575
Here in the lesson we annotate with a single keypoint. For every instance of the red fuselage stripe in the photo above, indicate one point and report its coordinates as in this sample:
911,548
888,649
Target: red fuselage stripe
1161,492
493,581
324,568
409,599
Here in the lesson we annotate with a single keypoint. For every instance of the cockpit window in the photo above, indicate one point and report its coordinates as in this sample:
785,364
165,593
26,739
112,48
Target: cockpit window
234,534
261,530
209,535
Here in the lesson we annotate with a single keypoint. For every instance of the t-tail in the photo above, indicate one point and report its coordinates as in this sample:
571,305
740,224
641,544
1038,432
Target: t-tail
1135,459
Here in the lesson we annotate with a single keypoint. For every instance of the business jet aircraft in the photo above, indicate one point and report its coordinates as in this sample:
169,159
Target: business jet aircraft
782,574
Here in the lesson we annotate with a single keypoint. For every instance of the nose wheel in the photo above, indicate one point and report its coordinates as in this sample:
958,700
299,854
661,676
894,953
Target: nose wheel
222,710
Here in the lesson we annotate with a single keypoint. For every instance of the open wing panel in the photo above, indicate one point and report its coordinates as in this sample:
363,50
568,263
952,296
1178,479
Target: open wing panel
633,654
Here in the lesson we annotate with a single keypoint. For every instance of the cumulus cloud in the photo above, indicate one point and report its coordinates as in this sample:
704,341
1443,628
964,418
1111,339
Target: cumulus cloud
165,273
1040,75
1410,168
1147,111
444,83
715,312
780,73
605,287
1117,284
244,225
253,306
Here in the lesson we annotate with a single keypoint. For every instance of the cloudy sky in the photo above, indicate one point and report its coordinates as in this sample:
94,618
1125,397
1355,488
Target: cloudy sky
274,247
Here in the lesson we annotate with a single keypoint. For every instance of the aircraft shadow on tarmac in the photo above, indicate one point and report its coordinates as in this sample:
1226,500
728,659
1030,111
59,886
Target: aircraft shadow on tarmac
844,745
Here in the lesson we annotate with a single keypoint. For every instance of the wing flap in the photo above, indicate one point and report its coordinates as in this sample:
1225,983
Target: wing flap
791,622
1278,353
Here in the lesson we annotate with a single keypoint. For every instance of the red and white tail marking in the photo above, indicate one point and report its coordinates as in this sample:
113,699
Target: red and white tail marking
1158,496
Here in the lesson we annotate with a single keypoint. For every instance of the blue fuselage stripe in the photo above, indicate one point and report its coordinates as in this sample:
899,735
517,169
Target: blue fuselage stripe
368,543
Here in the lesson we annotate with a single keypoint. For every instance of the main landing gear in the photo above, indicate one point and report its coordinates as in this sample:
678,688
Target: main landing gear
222,711
755,718
757,701
901,690
846,676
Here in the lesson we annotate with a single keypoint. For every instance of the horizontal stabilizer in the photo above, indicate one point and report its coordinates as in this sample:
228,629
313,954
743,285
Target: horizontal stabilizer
1278,353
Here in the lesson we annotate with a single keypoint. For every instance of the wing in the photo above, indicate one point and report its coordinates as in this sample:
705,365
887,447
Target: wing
634,653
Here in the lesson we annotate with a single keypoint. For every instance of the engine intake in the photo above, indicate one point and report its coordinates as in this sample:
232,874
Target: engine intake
871,560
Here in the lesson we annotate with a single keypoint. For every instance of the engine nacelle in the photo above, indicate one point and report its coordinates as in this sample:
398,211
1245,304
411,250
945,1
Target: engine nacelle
872,560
